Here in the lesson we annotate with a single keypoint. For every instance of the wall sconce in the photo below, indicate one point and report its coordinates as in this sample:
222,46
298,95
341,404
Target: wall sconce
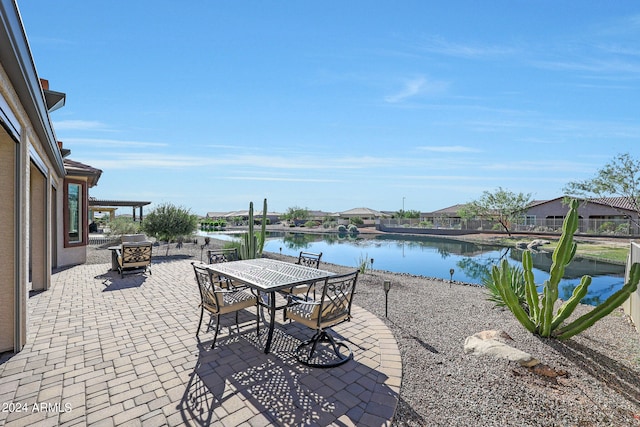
387,287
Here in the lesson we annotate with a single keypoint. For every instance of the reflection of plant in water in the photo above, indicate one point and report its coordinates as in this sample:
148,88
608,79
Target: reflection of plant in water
478,269
444,253
299,241
330,239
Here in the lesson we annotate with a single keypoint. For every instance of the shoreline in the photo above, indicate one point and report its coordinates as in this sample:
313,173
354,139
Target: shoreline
585,243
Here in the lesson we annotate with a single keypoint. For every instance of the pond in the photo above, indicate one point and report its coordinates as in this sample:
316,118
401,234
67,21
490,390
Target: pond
435,257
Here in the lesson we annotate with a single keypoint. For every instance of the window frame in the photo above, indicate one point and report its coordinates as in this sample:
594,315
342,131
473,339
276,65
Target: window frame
83,213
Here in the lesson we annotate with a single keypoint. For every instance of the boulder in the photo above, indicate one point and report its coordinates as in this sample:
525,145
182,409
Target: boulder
492,343
535,244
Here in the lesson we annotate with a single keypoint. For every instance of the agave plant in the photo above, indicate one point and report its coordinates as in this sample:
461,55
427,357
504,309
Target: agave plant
515,279
540,318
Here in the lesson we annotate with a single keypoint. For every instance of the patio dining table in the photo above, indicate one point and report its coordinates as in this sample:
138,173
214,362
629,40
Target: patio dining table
268,276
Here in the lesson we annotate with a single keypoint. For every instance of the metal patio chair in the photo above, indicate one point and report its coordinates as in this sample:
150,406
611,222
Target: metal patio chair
222,255
330,309
132,256
308,259
215,256
218,301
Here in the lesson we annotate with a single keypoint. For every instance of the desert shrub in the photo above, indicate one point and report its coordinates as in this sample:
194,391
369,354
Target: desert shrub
342,228
364,263
352,229
356,220
607,226
329,222
622,229
123,225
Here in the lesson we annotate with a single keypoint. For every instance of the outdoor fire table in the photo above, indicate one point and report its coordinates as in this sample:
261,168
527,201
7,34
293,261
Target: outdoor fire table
268,276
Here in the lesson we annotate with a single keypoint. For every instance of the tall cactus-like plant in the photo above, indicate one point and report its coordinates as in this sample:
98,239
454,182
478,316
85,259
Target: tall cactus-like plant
541,319
251,246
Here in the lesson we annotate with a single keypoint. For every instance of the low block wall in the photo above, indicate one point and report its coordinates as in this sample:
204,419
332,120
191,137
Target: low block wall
433,231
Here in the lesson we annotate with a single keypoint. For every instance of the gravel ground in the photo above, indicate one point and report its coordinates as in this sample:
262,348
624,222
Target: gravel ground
598,385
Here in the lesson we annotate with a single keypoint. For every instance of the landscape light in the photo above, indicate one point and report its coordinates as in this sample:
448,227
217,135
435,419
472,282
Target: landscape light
387,286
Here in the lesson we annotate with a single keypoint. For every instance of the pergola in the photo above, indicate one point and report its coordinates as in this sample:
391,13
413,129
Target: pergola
110,206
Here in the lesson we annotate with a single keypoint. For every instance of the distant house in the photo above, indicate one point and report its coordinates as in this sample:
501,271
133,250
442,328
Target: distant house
448,216
613,214
368,216
43,208
363,213
596,215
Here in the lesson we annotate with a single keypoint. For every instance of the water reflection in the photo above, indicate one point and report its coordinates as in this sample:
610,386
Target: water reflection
435,257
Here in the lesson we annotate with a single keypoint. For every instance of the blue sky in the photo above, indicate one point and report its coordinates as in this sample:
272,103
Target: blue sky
333,105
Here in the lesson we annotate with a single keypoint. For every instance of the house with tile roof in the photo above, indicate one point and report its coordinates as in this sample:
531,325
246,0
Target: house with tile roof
595,215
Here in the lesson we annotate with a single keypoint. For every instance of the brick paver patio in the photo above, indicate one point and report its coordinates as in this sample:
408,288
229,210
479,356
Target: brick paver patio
109,351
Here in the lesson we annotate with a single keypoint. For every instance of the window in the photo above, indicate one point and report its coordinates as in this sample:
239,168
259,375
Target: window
75,213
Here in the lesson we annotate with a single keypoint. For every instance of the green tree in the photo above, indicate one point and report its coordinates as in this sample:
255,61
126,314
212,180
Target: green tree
618,178
296,213
466,213
406,214
412,214
166,222
502,206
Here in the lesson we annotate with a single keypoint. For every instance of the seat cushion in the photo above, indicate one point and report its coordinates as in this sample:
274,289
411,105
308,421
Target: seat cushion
307,314
229,301
296,290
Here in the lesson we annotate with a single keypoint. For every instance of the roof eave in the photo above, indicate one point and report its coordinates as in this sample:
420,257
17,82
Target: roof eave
18,63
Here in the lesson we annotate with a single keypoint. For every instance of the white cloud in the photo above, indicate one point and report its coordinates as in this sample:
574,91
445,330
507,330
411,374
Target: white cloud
441,46
264,178
95,142
449,149
131,160
416,87
79,125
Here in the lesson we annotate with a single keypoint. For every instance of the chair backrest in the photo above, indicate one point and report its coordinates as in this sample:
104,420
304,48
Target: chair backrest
208,296
309,259
337,295
136,253
222,255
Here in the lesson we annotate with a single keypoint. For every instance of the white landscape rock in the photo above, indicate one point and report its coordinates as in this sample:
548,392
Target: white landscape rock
492,343
535,244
